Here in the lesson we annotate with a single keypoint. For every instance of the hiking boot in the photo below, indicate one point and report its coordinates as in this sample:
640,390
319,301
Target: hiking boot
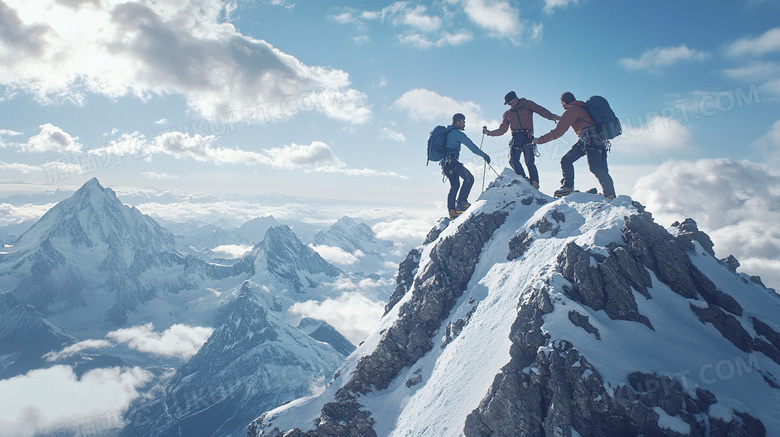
609,196
454,214
462,206
535,184
563,191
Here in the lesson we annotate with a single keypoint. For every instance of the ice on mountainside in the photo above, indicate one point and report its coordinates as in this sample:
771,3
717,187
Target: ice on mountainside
578,316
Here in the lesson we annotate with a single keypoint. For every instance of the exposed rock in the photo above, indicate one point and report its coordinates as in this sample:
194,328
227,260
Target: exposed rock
582,321
688,232
604,286
730,262
405,277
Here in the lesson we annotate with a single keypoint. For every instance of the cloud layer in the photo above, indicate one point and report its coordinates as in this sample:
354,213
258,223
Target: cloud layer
352,314
94,401
737,203
60,51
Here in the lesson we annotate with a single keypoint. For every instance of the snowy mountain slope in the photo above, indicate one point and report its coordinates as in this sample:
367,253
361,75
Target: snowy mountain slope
25,337
579,316
251,358
255,229
351,236
282,255
353,246
89,250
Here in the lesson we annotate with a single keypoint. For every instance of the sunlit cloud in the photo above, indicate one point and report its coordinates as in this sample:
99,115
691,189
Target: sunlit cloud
51,139
337,255
177,341
232,251
144,49
658,59
352,314
658,135
31,406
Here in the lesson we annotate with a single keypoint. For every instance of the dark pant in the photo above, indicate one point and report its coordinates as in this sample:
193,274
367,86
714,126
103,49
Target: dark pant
454,171
597,161
521,144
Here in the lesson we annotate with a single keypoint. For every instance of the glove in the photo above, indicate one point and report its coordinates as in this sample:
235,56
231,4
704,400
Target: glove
487,159
484,130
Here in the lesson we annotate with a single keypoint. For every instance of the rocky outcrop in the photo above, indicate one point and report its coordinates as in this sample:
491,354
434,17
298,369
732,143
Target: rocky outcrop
549,388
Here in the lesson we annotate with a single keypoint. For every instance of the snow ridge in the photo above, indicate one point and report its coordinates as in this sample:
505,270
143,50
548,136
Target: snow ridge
577,316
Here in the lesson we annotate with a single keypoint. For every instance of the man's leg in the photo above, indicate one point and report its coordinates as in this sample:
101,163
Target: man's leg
530,157
468,182
567,164
597,161
514,160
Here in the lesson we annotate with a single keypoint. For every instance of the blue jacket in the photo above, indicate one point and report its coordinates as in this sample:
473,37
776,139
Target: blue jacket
455,138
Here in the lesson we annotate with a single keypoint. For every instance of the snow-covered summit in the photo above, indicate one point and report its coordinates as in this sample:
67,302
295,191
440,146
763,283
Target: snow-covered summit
351,236
534,316
89,250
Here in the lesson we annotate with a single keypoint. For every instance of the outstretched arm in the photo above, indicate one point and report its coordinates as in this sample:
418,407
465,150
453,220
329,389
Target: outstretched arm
501,129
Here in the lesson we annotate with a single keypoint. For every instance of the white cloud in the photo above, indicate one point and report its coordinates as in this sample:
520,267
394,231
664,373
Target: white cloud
551,5
10,214
736,203
658,59
314,157
337,255
754,70
658,135
422,104
232,251
391,134
177,341
408,231
768,42
499,17
352,314
145,48
51,400
417,18
422,28
158,176
76,348
51,139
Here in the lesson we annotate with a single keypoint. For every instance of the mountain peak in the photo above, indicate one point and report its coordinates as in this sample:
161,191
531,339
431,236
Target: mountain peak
529,315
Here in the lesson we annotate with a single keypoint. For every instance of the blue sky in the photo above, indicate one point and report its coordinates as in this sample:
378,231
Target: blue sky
206,108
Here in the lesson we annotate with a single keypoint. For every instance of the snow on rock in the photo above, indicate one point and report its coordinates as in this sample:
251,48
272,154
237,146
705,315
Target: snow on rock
536,316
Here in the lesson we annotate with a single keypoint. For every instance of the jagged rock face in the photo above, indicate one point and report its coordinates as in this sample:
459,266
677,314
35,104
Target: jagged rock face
532,317
437,289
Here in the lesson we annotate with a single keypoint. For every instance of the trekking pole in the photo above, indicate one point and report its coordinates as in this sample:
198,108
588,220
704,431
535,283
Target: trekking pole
484,166
494,170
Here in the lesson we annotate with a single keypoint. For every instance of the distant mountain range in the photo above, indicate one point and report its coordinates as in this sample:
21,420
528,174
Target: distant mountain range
92,265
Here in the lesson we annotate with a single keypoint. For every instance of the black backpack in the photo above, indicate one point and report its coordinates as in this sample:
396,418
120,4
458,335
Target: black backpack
603,117
437,144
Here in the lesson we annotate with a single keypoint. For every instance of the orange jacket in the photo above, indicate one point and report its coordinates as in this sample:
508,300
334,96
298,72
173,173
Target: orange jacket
521,117
574,116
